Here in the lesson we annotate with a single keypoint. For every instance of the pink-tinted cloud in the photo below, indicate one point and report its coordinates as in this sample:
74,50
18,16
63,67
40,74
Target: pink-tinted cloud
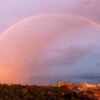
85,1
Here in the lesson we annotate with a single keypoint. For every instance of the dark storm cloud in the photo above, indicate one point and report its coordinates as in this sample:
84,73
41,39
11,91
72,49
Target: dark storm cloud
89,78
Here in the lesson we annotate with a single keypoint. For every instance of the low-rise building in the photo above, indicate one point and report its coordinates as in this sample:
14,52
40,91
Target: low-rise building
66,84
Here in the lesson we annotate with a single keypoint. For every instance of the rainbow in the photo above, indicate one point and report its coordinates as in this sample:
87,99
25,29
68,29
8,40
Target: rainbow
49,14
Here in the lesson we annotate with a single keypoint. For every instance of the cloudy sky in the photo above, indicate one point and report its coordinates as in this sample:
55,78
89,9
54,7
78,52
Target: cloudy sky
12,11
61,43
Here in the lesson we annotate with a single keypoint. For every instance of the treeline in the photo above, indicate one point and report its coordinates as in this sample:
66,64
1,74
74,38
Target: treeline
21,92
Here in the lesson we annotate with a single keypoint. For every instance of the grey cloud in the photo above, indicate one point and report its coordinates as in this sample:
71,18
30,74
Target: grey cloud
89,78
69,56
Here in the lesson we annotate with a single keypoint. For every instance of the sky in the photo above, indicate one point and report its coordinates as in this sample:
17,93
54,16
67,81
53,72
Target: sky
16,10
61,43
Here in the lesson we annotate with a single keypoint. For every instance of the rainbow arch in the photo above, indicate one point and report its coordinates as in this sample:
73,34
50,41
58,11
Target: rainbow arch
49,14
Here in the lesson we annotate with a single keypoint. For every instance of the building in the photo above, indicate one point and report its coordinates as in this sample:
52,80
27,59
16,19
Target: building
85,86
66,84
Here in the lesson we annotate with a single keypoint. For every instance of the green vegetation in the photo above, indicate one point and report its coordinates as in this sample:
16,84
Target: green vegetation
21,92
